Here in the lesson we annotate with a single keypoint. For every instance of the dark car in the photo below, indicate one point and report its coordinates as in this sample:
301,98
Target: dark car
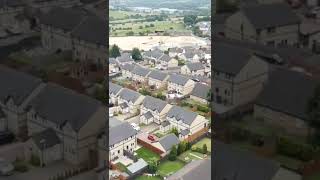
6,137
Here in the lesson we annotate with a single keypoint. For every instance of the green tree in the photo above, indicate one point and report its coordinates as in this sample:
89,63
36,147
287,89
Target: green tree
114,51
175,131
173,153
136,54
182,147
204,149
189,20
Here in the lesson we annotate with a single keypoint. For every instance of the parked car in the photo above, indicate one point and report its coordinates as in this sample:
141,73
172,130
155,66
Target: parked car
6,137
135,126
6,168
151,137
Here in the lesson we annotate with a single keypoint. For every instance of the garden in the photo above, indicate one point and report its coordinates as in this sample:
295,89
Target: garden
147,155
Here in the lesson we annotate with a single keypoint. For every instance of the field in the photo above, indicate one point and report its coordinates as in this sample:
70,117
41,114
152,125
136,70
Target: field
118,15
169,167
145,27
147,155
148,42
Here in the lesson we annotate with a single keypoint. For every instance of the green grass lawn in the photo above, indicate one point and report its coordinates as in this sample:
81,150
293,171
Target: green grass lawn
158,25
147,155
188,156
122,167
120,14
203,141
167,168
148,178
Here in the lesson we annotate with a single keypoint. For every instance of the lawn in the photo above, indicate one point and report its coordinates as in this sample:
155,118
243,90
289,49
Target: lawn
122,167
147,155
206,141
189,156
148,178
169,167
116,15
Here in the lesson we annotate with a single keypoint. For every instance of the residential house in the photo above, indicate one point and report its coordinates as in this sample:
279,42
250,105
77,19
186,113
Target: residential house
89,47
113,66
127,69
75,118
45,145
155,108
114,91
56,34
186,122
193,69
164,126
125,58
131,99
166,143
165,62
201,93
180,84
153,55
140,74
17,90
157,79
270,24
239,75
284,101
122,138
175,52
191,55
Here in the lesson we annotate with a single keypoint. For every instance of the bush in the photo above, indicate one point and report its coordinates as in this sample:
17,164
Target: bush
35,160
204,109
304,152
197,149
173,153
204,149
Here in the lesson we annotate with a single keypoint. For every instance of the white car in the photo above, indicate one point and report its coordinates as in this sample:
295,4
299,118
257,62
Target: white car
135,126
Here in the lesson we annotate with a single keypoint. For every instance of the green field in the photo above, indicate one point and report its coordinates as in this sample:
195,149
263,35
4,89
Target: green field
147,155
202,142
140,27
118,15
169,167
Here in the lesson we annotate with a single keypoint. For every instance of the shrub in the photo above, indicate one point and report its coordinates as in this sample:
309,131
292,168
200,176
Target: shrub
204,109
173,153
204,149
35,160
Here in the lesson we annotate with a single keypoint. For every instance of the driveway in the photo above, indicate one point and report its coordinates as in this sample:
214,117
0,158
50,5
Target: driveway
149,128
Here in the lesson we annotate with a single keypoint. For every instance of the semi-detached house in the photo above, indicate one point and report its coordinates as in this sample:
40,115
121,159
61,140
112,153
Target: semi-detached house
158,79
153,110
180,84
129,100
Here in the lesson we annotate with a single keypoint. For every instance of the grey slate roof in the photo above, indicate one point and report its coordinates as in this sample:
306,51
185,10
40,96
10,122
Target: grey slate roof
195,66
60,106
165,58
168,141
154,103
185,132
158,75
165,123
148,115
125,57
114,88
270,15
123,105
201,90
137,166
181,114
154,54
16,84
176,50
46,139
178,79
119,133
141,71
232,164
71,17
84,31
129,95
128,67
114,122
288,91
230,59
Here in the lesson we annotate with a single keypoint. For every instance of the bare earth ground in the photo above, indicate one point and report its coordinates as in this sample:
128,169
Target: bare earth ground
149,42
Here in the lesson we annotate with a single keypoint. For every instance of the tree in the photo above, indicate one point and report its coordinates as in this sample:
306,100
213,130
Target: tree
189,20
114,51
204,149
173,153
182,147
175,131
153,165
188,145
136,54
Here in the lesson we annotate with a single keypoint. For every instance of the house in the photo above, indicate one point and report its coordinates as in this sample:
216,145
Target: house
114,91
137,167
113,66
175,52
17,90
75,118
125,58
90,47
127,69
140,74
180,84
270,24
121,138
186,122
130,99
166,143
165,62
45,145
239,75
56,34
235,164
193,69
155,108
153,55
157,79
284,104
200,93
165,126
191,55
